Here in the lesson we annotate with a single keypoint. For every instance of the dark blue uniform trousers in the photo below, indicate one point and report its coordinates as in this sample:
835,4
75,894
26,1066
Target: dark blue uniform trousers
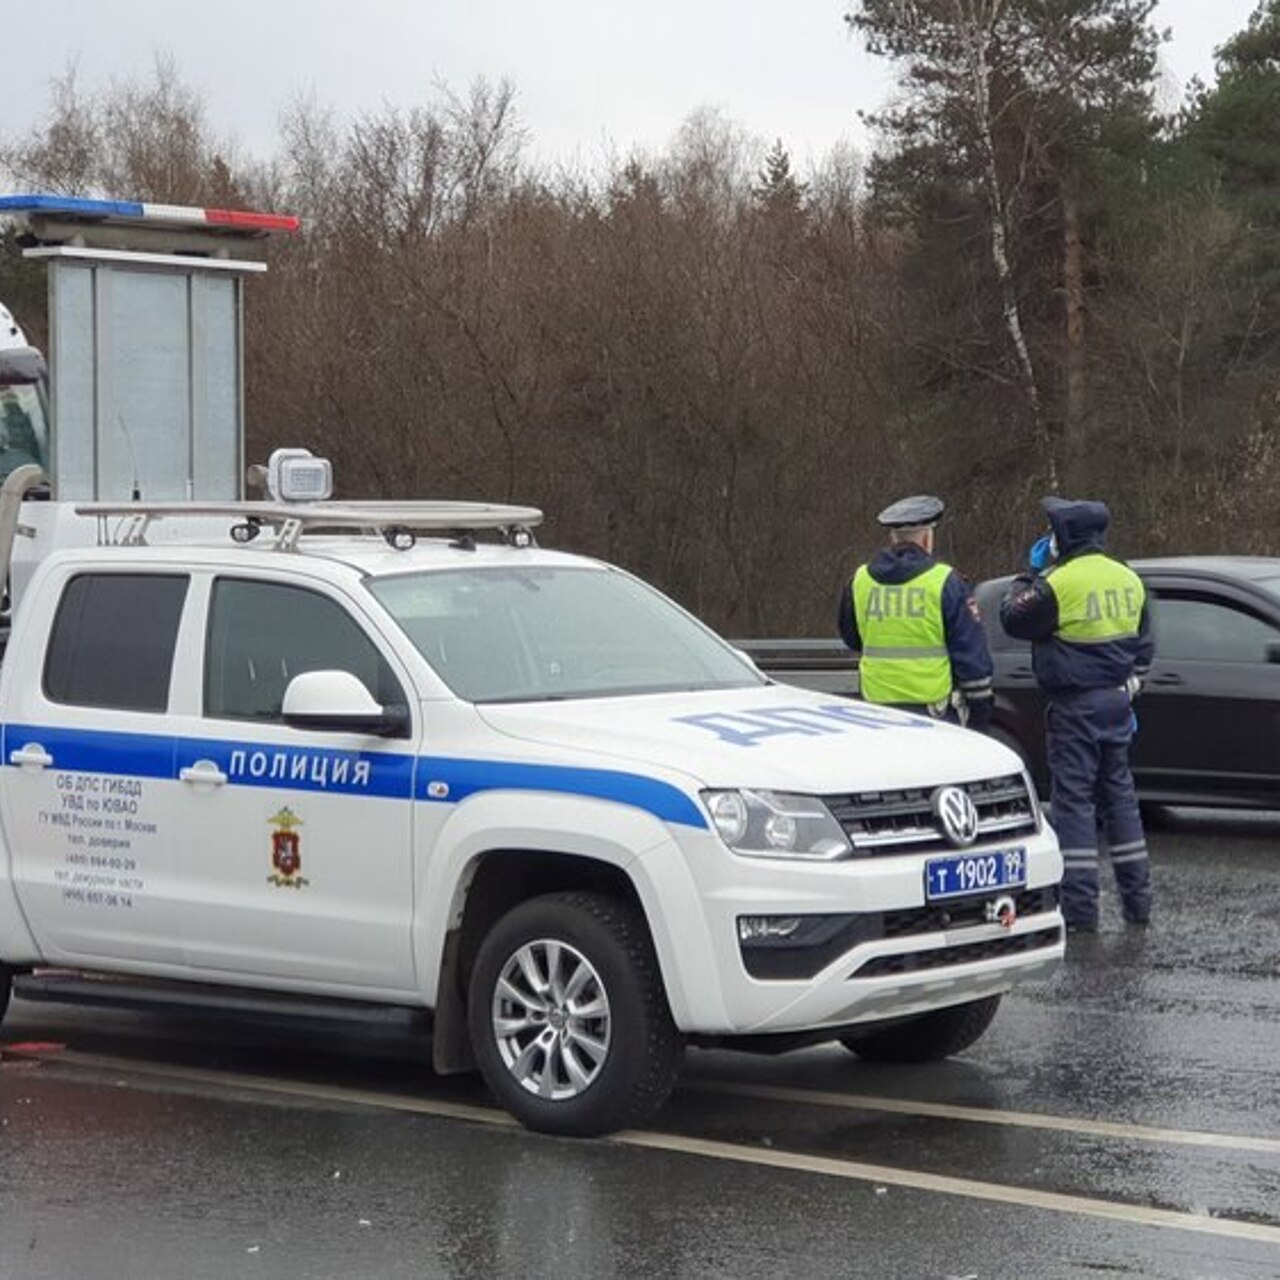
1093,796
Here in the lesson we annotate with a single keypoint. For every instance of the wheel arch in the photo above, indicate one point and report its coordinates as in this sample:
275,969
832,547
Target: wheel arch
497,881
483,865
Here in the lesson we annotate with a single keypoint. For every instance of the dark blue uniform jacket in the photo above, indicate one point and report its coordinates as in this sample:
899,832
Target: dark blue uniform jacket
966,640
1029,611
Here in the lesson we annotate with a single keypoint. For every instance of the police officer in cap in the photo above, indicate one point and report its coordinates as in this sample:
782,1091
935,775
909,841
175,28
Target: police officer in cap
1087,617
916,625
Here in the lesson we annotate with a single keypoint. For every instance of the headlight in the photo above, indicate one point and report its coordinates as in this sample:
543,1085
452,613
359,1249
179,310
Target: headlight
771,824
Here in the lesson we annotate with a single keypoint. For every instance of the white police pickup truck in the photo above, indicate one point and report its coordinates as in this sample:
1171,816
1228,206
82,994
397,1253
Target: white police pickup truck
397,754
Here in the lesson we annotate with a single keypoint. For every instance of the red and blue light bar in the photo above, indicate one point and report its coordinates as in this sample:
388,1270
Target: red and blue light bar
136,213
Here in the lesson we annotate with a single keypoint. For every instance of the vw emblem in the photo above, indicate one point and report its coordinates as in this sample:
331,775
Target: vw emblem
956,814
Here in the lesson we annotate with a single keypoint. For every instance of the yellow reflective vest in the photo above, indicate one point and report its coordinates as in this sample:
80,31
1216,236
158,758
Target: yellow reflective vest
904,639
1099,599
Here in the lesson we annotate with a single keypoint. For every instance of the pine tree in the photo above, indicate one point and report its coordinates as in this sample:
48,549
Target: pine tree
777,189
1237,122
1235,127
1010,110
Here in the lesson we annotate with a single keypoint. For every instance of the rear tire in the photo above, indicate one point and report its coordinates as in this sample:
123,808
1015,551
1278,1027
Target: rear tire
568,1016
928,1038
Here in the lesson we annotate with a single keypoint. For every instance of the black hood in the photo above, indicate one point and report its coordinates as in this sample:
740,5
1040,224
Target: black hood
1077,525
900,563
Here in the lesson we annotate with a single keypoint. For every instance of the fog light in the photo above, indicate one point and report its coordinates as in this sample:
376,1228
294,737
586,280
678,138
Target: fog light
761,928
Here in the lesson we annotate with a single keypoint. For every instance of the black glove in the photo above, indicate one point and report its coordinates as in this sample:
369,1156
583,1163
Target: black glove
980,713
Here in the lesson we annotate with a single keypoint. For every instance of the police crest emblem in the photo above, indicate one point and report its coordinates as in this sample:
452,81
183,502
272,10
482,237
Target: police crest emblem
286,851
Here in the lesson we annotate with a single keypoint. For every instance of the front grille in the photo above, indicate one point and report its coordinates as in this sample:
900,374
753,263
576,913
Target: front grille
965,953
884,822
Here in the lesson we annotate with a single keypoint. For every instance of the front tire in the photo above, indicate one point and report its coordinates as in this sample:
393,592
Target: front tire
928,1038
568,1017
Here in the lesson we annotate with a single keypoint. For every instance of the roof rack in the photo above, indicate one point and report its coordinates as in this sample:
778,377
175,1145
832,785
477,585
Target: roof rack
397,522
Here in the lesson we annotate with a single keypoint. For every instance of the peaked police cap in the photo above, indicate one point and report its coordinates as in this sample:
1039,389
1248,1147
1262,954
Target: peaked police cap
918,512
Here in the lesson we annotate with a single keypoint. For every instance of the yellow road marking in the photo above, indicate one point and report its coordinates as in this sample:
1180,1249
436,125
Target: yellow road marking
824,1166
291,1088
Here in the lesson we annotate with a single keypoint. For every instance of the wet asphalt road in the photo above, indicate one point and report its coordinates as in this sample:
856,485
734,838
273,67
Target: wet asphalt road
1121,1119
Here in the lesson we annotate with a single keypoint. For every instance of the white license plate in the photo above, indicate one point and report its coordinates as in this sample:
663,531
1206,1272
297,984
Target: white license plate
961,875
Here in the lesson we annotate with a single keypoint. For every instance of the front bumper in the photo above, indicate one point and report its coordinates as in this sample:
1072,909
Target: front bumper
937,958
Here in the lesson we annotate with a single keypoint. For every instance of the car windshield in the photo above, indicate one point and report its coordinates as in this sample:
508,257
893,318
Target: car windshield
23,428
535,634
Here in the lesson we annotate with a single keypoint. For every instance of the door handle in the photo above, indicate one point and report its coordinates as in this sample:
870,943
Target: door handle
1021,673
32,755
1167,679
203,771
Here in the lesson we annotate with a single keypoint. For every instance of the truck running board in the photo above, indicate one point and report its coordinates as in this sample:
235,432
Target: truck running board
157,995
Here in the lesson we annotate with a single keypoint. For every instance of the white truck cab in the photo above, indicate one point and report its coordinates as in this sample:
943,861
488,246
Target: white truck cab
359,752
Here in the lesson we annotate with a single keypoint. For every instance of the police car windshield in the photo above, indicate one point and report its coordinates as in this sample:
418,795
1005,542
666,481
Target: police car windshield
537,634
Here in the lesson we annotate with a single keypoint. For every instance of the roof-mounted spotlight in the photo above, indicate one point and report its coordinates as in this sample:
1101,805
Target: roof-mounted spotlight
519,535
246,530
295,475
400,538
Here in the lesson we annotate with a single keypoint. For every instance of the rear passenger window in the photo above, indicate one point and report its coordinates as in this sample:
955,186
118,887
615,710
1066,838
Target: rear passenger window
262,634
113,640
1209,630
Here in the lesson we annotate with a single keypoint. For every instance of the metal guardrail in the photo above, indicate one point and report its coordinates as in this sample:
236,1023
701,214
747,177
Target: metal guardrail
825,665
799,655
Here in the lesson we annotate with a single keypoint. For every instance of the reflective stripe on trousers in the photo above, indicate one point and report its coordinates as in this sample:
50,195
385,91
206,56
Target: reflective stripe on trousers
1094,801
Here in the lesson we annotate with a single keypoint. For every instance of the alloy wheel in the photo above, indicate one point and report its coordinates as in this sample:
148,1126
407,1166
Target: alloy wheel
551,1019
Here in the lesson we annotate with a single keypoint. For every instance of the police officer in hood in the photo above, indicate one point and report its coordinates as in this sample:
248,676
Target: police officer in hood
916,625
1087,618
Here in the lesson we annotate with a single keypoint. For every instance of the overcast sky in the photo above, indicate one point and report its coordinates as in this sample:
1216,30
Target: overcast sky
592,77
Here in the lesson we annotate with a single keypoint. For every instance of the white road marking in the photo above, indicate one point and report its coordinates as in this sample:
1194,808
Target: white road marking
824,1166
987,1115
1023,1197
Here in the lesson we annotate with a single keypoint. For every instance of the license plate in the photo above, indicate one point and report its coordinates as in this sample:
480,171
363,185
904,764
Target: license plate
963,874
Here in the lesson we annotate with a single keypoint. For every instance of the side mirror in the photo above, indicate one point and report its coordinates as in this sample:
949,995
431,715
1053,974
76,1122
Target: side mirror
1273,651
22,366
337,700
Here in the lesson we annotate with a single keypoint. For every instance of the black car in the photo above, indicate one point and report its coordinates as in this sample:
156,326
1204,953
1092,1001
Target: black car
1209,713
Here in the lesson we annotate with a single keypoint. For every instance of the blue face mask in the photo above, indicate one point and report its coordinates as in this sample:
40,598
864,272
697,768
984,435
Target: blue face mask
1044,551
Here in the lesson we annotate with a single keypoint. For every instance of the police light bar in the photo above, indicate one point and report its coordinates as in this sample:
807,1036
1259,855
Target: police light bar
139,213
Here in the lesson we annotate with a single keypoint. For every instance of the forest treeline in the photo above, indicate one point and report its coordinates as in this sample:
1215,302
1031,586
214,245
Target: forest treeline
715,370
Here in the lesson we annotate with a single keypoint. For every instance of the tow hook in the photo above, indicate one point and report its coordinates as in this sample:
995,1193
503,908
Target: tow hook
1002,911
